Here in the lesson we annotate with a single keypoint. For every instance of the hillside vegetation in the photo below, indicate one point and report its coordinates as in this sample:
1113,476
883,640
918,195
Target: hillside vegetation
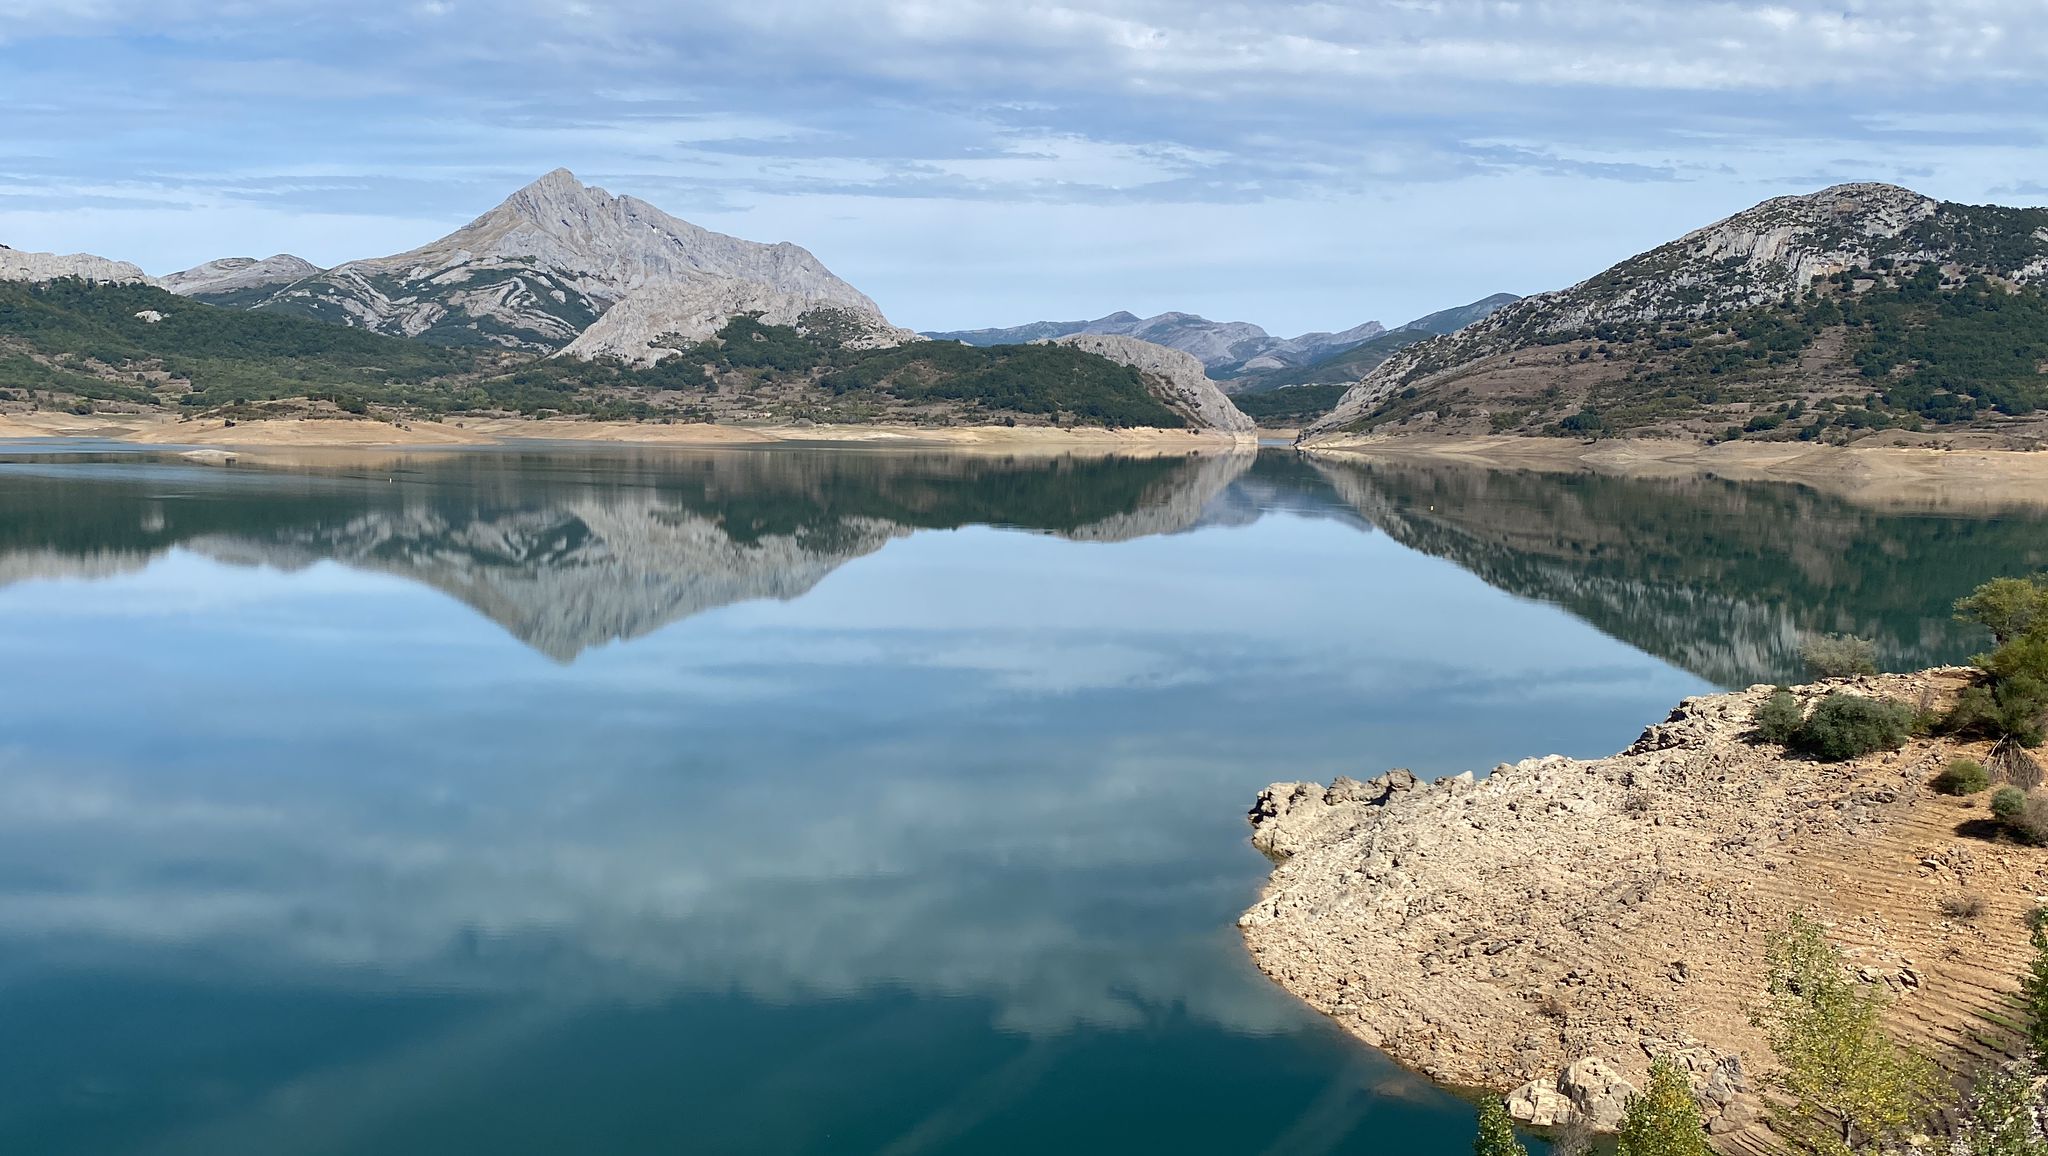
1894,347
1822,317
79,346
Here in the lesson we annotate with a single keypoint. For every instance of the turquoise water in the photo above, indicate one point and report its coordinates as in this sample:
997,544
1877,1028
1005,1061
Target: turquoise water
783,800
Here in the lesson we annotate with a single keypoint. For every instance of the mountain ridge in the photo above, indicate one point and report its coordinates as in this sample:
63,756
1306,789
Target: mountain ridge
1225,348
544,269
1871,302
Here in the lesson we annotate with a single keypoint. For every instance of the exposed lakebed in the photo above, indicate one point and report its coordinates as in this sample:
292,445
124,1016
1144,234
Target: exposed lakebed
792,800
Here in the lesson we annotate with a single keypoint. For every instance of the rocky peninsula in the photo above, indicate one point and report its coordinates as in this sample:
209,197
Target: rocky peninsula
1546,931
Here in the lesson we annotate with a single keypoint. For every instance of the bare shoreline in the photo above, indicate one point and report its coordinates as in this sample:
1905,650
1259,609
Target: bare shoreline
1492,932
1961,475
335,433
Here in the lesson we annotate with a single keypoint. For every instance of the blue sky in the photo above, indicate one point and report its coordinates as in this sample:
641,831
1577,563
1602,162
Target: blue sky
985,162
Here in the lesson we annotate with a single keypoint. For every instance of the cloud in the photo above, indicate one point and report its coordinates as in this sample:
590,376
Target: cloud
415,117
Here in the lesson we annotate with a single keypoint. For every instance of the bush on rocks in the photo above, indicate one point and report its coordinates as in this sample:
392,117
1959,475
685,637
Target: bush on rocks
1778,718
1962,777
1846,726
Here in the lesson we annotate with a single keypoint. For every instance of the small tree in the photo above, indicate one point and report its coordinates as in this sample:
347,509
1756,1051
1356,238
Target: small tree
1853,1090
1664,1119
1838,655
1998,1116
1496,1133
2007,607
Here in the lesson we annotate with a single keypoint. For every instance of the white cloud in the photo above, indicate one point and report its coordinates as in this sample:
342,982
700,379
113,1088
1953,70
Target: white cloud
1303,165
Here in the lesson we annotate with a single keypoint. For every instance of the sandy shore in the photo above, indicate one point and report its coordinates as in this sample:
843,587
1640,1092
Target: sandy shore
150,429
1891,475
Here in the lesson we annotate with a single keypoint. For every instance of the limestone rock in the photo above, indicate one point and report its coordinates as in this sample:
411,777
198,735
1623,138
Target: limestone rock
16,265
1589,1089
1530,923
233,275
655,321
1176,378
543,267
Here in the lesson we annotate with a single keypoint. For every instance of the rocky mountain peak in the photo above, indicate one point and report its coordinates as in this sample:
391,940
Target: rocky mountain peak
236,275
1766,256
549,268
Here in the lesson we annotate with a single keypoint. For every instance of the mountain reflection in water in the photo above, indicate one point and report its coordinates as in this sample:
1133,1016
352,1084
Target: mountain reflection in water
864,801
1721,579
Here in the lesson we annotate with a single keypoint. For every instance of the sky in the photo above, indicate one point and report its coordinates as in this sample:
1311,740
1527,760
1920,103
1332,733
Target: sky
974,163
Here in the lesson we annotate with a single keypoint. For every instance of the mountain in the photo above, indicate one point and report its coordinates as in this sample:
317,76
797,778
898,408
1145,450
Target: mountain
1225,348
1348,365
16,265
1859,307
1459,316
84,346
548,267
1175,378
239,281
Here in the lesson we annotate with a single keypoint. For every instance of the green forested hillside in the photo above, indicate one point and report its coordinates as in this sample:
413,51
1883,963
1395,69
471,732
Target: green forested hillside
75,344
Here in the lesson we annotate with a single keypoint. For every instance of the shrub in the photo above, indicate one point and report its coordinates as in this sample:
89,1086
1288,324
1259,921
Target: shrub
1838,656
2007,803
1962,777
1664,1119
1845,726
1778,718
1962,905
1496,1133
2030,825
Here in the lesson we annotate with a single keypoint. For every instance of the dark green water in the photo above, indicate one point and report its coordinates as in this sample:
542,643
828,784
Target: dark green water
793,800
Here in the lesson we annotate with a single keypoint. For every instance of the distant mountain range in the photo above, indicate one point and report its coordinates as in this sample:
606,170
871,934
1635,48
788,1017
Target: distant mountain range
1243,354
1860,307
1225,348
562,299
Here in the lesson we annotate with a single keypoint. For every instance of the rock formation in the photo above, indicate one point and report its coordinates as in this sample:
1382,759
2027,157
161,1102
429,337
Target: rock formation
658,320
231,277
16,265
1178,379
546,265
1501,932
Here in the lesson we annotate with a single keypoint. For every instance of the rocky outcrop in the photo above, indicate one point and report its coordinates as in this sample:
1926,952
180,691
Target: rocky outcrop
1753,258
1175,378
1224,348
658,320
16,265
1501,932
542,268
235,276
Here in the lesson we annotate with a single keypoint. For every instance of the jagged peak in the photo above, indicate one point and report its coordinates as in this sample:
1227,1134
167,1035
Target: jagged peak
558,180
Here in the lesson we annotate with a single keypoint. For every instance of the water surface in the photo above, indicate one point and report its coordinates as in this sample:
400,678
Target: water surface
793,800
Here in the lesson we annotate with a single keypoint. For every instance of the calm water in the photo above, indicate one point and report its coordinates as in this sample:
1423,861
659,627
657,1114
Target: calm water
793,800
